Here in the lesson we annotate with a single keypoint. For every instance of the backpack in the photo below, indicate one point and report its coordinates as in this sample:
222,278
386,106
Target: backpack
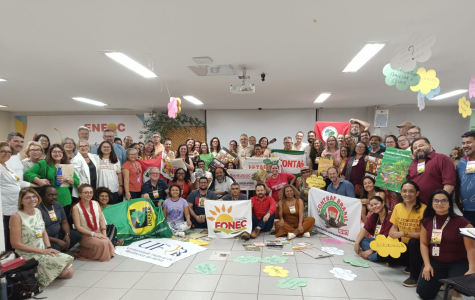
21,281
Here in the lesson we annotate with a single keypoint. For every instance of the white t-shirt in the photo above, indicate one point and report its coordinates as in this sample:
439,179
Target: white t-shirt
15,164
107,175
302,147
10,185
208,175
242,153
225,186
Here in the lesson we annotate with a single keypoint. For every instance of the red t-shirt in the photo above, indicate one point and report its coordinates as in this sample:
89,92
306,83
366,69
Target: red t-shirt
135,176
277,184
259,208
452,247
185,188
370,225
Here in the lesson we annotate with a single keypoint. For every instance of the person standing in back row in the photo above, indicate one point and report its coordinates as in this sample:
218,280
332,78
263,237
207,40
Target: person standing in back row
16,141
244,150
465,190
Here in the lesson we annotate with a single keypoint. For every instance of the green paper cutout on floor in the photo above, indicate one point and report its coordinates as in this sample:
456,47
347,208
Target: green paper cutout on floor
205,268
247,259
274,260
292,283
356,262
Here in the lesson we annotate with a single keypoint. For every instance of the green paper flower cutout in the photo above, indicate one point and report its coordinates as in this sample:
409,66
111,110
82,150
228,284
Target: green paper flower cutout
247,259
205,268
273,260
356,262
292,283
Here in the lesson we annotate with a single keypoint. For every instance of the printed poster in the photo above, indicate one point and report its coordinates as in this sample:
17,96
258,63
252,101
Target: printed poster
169,167
393,170
336,216
227,219
247,179
290,161
323,164
221,158
372,164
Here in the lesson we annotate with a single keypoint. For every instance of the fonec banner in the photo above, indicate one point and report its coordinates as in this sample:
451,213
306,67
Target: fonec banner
336,216
290,161
227,219
324,130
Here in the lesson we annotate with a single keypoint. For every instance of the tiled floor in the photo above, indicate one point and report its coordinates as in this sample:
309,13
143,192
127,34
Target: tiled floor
128,279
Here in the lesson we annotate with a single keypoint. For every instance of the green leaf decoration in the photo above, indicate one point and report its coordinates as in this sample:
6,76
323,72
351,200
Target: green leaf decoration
273,260
247,259
356,262
292,283
205,268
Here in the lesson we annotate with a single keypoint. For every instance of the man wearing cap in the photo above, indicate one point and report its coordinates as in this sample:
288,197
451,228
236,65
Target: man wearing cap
404,127
375,142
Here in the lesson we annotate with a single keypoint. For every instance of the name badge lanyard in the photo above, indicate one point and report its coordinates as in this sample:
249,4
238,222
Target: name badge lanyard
378,227
138,172
434,240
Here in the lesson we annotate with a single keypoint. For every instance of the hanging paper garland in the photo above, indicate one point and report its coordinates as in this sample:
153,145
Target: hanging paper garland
428,82
417,48
400,78
174,107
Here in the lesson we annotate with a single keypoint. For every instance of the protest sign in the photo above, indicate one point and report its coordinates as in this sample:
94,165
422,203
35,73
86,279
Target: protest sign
247,179
388,246
323,164
227,219
169,167
223,156
290,161
393,170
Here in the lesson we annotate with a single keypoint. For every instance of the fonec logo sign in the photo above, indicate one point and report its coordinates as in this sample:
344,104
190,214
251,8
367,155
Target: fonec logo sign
101,127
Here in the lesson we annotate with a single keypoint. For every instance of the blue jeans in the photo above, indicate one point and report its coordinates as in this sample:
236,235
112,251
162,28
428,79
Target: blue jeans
365,246
264,226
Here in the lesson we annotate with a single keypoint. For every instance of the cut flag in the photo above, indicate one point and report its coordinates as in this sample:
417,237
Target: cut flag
324,130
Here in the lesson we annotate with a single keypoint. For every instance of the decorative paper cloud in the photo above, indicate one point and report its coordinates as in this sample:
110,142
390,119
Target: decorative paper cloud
428,82
471,88
247,259
316,181
431,94
205,268
388,246
292,283
356,262
343,274
421,102
333,250
273,260
275,271
417,48
464,107
400,78
174,107
333,241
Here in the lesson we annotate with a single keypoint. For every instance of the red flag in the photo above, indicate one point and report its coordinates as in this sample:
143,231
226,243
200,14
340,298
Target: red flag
149,163
323,130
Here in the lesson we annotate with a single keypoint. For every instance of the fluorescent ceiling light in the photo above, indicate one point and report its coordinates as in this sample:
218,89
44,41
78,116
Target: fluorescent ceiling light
1,79
368,51
450,94
131,64
193,100
3,106
89,101
322,97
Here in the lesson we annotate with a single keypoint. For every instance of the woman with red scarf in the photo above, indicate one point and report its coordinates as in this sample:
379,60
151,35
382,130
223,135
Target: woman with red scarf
89,221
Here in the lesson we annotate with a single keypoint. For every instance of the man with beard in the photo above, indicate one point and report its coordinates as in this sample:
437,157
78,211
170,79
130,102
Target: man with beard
16,141
465,190
339,186
310,138
350,142
431,171
263,211
364,137
235,193
355,128
413,133
244,149
196,203
221,182
375,144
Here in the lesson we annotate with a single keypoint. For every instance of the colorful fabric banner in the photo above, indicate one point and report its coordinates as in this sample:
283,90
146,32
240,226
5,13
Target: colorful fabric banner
336,216
290,161
149,164
169,167
227,219
137,219
393,170
162,252
323,130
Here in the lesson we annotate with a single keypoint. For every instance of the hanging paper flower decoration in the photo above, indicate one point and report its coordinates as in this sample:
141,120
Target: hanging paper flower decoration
174,107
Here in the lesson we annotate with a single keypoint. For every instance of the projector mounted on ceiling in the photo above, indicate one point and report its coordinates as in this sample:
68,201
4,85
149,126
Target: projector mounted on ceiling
246,87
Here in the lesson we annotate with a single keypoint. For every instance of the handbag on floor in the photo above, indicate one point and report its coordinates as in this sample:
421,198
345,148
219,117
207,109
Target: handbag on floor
21,280
111,232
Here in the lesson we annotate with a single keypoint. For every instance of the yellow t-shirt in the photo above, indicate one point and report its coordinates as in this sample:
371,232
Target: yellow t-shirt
407,220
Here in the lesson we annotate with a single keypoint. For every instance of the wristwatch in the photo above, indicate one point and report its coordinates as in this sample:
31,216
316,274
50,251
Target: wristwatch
67,234
405,233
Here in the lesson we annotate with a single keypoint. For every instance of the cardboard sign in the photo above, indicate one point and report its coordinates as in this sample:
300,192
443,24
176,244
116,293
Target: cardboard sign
316,181
388,246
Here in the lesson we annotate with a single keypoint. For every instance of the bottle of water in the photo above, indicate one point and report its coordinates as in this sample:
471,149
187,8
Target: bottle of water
58,173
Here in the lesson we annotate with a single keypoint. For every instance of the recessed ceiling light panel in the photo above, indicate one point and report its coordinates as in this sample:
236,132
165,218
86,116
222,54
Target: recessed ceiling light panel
193,100
1,79
89,101
322,97
368,51
3,106
131,64
203,60
449,94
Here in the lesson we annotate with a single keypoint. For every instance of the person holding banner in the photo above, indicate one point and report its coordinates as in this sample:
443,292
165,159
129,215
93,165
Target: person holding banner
355,168
291,220
277,181
299,145
175,211
445,252
167,152
264,142
156,188
182,179
235,193
159,147
315,153
148,151
196,202
183,154
257,152
391,141
263,211
332,150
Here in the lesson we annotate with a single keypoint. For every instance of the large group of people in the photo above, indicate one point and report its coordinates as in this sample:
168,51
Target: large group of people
33,191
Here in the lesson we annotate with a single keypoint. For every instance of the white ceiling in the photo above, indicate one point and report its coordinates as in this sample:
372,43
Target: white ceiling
49,51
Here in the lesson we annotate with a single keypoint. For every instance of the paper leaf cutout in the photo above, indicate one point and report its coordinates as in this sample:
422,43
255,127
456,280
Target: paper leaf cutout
400,78
316,181
205,268
247,259
417,48
388,246
431,94
333,241
356,262
429,81
273,260
421,103
172,108
471,88
343,274
332,250
276,271
199,242
291,283
464,107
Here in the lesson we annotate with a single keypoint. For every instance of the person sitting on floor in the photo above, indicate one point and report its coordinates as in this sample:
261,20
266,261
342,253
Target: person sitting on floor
196,202
175,211
376,223
291,220
263,211
235,193
61,236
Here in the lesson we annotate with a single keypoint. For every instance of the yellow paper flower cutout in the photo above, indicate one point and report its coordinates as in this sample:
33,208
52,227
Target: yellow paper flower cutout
316,181
428,82
464,107
388,246
199,242
276,271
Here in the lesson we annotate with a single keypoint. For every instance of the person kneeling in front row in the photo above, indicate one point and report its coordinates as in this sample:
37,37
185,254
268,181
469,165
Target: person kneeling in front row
177,212
443,249
263,212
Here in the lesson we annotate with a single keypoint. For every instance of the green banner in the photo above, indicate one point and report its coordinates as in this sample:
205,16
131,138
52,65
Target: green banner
290,161
137,219
394,168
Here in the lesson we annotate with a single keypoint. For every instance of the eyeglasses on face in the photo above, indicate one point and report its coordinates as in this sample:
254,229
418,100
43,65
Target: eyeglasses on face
413,133
85,146
57,152
35,150
68,143
43,140
5,152
402,140
109,136
87,193
442,201
154,173
33,197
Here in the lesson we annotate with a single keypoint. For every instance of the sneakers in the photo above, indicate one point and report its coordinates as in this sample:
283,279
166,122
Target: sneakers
410,282
180,234
255,232
290,236
407,271
306,234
